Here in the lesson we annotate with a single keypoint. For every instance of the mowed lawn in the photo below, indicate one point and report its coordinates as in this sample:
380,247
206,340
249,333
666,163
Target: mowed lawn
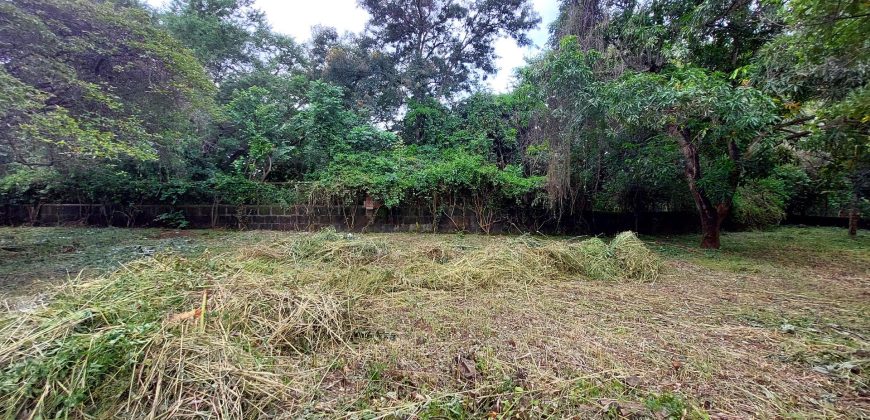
166,324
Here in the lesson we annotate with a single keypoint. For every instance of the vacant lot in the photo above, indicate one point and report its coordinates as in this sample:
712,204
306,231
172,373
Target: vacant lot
140,323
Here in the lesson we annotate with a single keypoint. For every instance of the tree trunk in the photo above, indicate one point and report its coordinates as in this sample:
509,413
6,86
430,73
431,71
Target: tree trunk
711,215
709,232
711,225
853,219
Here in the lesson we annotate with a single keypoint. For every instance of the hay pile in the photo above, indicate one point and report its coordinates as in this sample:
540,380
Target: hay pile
224,335
492,266
626,257
634,259
356,260
364,264
325,246
135,344
205,375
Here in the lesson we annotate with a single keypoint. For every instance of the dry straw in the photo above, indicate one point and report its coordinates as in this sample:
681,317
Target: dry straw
223,335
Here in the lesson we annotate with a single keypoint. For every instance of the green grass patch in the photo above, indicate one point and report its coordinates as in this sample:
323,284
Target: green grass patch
777,251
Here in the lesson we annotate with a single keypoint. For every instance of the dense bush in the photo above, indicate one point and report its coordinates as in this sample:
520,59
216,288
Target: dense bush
411,173
761,203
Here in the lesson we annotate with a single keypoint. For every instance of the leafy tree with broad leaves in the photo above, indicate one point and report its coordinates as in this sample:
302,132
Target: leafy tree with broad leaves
719,35
94,82
427,123
715,125
356,63
442,47
260,131
569,127
818,70
289,132
495,126
231,37
682,117
320,126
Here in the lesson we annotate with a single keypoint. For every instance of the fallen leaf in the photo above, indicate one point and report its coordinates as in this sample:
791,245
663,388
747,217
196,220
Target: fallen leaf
632,409
632,381
467,369
191,314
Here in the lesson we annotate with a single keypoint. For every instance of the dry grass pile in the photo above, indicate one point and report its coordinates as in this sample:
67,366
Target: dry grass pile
223,335
240,363
135,343
205,375
325,246
591,258
504,264
286,321
362,261
634,259
626,257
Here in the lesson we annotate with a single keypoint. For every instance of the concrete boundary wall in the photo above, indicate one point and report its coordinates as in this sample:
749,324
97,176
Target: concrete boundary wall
352,218
357,218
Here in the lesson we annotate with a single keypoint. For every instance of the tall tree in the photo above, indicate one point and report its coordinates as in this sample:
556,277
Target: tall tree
260,133
715,125
670,50
442,47
86,81
715,34
818,68
228,36
682,118
356,63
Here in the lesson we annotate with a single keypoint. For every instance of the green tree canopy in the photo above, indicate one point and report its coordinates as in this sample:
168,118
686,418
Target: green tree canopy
85,81
443,47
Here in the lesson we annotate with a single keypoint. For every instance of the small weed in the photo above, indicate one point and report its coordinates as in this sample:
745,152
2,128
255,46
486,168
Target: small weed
667,405
586,392
375,379
449,409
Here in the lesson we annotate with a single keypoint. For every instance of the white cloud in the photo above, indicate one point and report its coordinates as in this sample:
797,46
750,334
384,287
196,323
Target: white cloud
295,18
511,56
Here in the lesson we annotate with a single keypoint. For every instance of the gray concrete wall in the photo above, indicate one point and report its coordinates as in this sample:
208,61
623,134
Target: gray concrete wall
242,217
357,218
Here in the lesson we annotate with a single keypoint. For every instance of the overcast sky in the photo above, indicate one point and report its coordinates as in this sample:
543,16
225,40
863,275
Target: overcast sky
296,17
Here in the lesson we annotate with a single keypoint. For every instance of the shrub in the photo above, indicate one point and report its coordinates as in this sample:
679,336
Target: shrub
760,203
174,219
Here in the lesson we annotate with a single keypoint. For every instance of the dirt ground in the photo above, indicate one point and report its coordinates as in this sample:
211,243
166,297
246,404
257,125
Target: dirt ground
774,325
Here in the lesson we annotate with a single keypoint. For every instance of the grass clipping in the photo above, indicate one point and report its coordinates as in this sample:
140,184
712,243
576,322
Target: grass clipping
625,258
225,336
169,337
634,259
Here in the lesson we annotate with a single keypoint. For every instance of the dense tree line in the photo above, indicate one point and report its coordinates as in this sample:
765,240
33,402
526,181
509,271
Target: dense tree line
738,109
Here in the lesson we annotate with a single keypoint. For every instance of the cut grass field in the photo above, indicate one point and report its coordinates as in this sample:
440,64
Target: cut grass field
328,325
